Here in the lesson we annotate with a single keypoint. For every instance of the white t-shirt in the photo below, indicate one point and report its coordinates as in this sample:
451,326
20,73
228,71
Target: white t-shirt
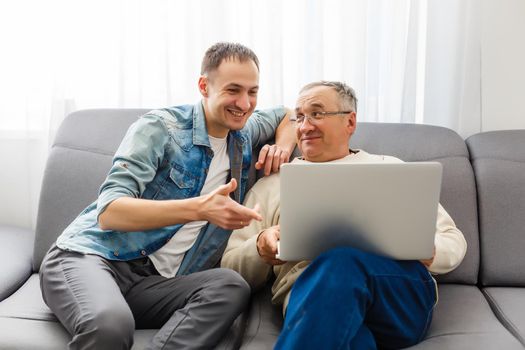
167,259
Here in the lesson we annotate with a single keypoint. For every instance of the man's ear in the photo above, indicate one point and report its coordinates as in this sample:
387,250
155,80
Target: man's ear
203,85
352,120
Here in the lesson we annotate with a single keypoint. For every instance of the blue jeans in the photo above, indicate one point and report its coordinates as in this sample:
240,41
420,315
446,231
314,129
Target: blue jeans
349,299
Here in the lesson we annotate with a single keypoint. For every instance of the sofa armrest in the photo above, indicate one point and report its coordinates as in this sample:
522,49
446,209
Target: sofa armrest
17,254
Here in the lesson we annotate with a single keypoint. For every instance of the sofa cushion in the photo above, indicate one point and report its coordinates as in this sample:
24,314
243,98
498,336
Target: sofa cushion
264,322
24,334
462,319
26,323
413,142
498,159
508,303
16,266
77,165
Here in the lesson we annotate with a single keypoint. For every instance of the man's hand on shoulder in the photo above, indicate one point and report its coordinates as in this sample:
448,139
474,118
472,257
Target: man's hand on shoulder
271,158
267,245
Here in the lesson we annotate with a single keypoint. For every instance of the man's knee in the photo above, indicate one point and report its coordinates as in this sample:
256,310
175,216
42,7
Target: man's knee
232,285
108,329
342,258
337,268
232,280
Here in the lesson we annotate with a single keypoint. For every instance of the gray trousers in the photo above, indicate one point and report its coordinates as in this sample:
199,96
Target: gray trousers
101,302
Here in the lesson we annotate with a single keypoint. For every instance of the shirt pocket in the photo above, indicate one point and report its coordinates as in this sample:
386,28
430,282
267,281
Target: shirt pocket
179,184
183,178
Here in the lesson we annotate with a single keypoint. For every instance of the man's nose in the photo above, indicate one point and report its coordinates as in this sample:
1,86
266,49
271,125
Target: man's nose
306,125
243,102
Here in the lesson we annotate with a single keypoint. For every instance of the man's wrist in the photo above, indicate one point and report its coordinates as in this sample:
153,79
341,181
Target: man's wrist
195,207
257,242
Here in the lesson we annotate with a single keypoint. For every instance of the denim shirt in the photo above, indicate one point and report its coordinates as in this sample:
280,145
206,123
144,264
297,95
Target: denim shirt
164,155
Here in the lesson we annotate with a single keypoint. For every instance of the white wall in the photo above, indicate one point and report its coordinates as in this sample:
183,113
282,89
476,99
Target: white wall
503,64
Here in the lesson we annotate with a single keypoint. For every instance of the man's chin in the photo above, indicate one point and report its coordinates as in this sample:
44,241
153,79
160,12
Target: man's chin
309,154
237,125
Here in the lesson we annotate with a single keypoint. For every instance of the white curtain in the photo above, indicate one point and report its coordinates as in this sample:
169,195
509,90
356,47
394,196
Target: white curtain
409,61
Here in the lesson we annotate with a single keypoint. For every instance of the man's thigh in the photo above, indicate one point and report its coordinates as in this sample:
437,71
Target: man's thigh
154,299
78,287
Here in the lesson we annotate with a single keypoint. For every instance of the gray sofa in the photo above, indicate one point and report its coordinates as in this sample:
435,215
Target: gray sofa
481,304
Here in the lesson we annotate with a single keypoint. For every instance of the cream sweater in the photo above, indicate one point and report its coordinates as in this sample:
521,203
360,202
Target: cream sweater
241,252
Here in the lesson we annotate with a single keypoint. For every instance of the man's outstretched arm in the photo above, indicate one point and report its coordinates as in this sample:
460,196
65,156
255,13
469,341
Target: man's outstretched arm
135,214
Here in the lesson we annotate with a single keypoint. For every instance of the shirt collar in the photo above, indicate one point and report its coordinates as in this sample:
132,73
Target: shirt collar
200,133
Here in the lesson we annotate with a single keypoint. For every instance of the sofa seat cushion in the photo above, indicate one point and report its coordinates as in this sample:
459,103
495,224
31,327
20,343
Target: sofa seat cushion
264,322
508,303
27,303
26,323
463,319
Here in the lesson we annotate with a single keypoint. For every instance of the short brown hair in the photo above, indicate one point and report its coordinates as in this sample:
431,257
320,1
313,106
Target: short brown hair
223,50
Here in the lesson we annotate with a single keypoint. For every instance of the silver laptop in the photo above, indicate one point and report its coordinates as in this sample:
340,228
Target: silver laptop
387,209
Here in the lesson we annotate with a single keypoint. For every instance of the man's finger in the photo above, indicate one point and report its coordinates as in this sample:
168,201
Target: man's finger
262,157
226,189
247,214
276,161
285,157
269,161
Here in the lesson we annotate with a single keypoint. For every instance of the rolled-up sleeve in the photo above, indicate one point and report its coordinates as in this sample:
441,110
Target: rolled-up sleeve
262,124
136,161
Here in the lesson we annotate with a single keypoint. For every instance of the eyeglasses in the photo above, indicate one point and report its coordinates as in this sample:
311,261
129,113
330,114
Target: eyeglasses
314,118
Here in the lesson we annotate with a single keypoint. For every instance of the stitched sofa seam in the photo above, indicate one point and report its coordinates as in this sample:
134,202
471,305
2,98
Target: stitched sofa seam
83,149
506,322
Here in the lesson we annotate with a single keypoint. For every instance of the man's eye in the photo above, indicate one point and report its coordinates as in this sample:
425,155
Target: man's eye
232,91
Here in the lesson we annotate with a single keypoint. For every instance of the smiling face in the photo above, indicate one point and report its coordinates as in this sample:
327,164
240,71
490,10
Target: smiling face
328,139
229,95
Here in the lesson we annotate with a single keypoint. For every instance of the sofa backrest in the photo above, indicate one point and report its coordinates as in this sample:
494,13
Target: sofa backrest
498,159
413,142
86,141
78,163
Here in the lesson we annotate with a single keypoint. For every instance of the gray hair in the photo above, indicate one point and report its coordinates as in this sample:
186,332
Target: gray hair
347,96
224,50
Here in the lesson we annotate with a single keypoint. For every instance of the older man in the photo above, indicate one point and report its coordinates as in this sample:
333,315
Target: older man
345,298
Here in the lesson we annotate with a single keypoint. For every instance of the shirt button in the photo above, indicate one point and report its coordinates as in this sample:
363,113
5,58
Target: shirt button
143,252
115,253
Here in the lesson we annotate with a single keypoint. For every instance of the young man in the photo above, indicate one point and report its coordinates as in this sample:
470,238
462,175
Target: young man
164,212
348,298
